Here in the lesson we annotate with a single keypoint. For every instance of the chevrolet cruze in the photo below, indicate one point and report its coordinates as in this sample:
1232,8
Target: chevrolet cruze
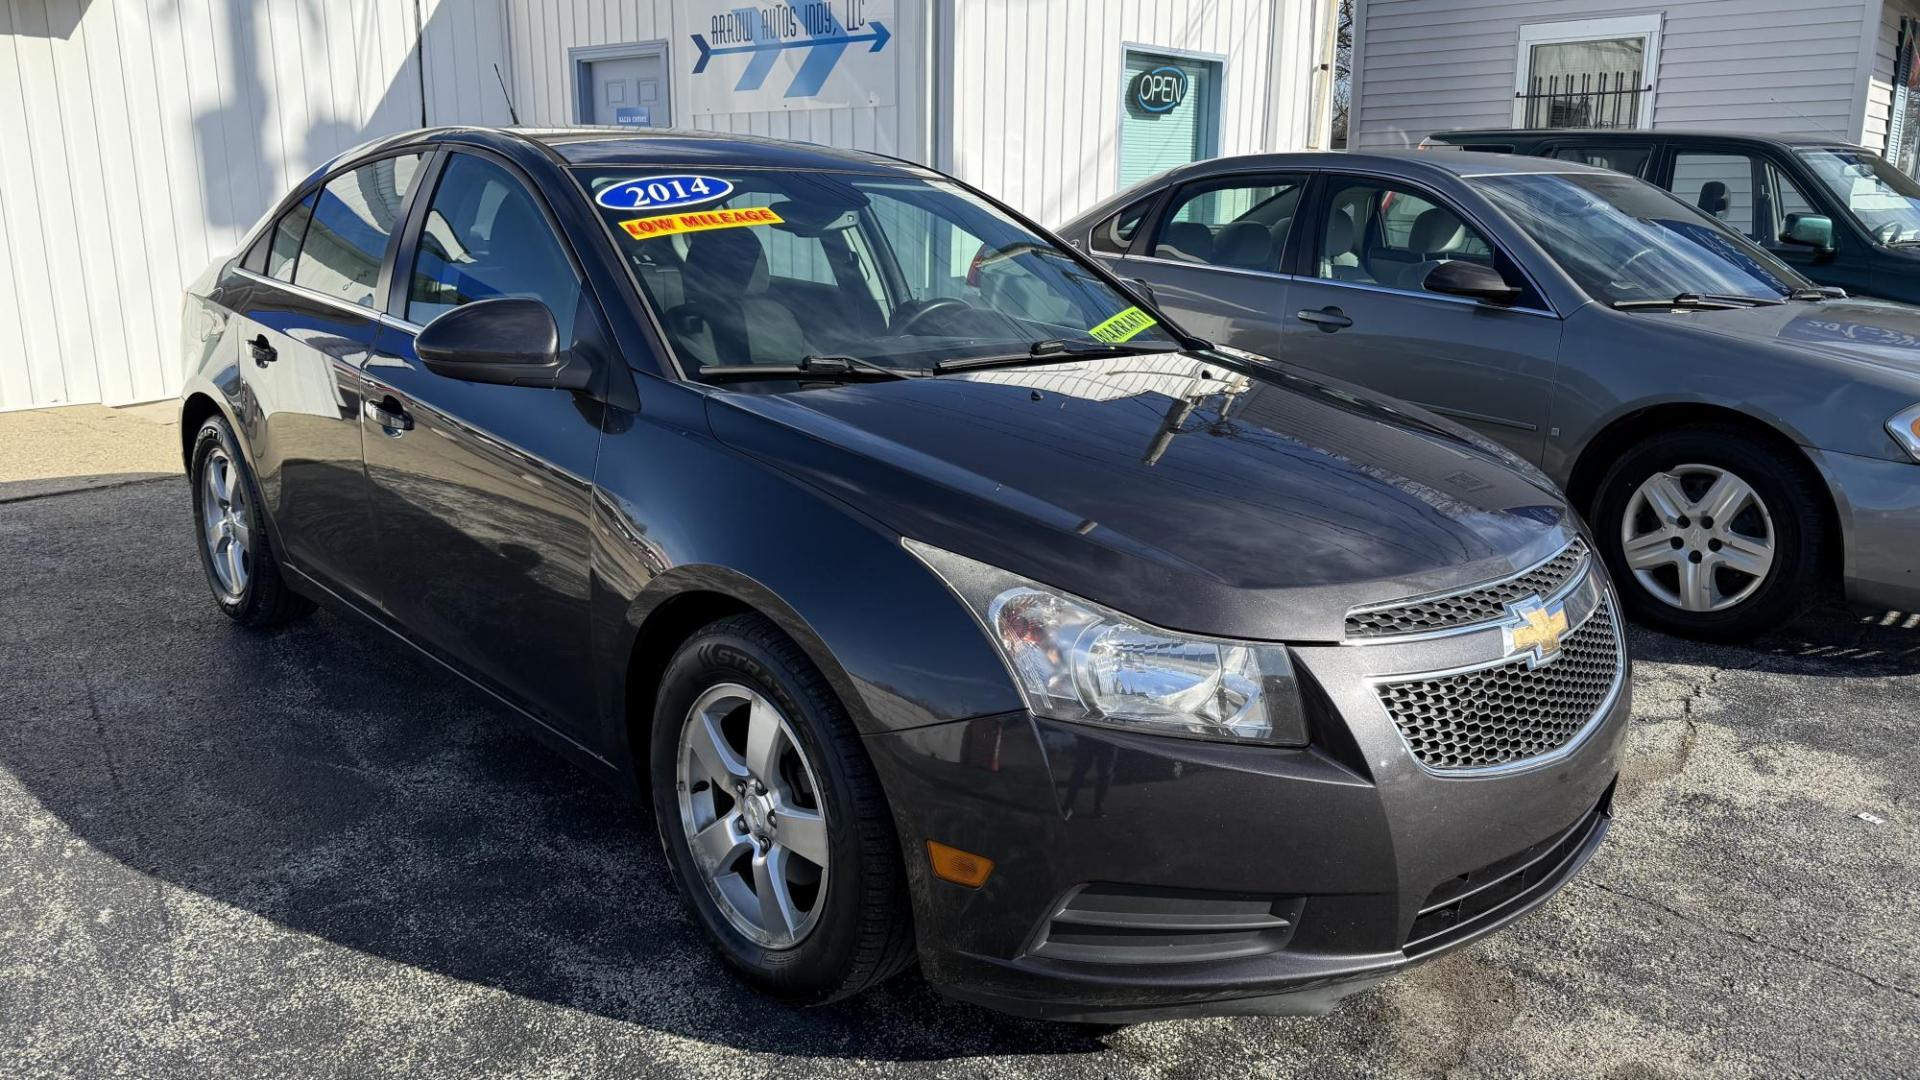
945,601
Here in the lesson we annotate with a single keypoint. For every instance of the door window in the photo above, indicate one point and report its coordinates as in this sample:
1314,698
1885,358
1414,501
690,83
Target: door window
1241,224
484,237
1721,185
1631,160
352,221
1379,234
1779,198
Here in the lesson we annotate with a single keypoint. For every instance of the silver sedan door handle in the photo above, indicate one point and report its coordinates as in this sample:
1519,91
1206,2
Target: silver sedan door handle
394,420
1328,319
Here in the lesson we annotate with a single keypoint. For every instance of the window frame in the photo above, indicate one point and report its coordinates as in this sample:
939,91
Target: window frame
1147,236
1570,31
394,310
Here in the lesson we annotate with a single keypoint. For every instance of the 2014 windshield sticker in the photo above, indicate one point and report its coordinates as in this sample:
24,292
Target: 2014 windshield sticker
647,228
663,192
1127,324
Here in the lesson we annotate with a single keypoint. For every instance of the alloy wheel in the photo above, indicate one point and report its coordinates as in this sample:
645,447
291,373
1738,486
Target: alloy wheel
750,807
1698,538
224,524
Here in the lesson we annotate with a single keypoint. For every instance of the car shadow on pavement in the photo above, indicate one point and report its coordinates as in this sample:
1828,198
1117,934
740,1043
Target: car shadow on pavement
1830,641
334,782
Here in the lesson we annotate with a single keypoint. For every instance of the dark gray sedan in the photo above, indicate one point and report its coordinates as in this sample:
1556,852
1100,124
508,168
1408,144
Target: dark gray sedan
1740,439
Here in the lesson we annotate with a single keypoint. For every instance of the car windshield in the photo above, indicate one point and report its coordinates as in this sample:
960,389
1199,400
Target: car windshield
1624,240
810,268
1884,200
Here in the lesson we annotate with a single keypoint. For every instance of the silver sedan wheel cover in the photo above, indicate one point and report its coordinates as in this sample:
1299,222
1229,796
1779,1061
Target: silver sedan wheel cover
1698,538
225,526
751,812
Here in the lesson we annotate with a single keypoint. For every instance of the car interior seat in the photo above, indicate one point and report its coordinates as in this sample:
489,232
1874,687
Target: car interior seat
728,317
1436,235
1339,261
1188,240
1244,244
1713,198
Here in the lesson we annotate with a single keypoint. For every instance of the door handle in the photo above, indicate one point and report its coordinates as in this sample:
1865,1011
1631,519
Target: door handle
263,351
1327,319
389,415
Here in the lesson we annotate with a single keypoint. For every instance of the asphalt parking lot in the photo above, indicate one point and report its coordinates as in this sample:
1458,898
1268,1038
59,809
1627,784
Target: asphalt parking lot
314,854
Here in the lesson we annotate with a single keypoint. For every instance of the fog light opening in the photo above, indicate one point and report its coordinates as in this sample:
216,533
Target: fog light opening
959,867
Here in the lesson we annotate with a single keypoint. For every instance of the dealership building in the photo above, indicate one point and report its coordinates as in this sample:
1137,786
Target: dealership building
143,139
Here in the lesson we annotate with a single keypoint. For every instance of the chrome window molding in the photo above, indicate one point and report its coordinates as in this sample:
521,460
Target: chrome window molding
312,294
1424,295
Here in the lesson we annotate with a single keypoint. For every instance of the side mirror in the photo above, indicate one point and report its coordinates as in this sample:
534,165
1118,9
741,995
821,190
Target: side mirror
1459,277
1809,230
1142,290
512,341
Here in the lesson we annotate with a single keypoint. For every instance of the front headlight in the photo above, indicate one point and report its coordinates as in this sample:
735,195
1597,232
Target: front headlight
1904,426
1075,660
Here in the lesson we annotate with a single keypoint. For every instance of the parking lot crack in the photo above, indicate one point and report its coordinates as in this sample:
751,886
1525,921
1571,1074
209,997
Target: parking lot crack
1751,939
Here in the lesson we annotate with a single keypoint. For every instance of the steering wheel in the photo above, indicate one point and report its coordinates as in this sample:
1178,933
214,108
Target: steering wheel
924,308
1887,234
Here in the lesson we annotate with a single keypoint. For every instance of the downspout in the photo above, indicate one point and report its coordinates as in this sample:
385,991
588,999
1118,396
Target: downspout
420,59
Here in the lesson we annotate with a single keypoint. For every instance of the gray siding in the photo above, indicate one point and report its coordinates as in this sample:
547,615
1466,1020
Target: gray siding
1755,65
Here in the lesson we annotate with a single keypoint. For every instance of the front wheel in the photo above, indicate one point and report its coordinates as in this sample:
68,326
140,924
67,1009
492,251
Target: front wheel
773,822
1711,534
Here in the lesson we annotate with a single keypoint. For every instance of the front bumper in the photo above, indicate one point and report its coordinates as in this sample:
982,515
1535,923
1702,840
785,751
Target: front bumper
1141,877
1879,504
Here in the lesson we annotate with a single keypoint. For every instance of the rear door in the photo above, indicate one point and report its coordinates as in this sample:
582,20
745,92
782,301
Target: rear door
482,492
1358,311
1215,255
307,320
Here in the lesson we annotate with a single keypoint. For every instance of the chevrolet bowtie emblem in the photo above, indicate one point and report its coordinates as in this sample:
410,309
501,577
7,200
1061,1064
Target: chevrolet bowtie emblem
1536,631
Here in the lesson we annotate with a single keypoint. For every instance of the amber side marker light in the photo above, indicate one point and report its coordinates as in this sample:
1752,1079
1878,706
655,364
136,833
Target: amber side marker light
959,867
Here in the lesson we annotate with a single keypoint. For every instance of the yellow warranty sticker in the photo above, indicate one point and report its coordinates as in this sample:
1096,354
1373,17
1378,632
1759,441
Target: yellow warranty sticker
647,228
1122,326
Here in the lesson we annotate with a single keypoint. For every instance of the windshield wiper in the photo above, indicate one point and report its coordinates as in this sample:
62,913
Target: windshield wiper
1692,300
822,368
1818,294
1055,347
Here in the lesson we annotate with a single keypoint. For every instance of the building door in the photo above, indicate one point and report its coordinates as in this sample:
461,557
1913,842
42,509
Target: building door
1170,113
625,89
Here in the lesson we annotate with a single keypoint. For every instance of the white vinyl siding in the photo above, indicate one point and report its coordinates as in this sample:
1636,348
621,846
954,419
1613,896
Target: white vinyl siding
144,139
1741,65
1879,106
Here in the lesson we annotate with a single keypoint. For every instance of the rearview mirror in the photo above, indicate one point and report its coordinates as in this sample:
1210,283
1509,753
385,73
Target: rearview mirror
1809,230
1459,277
512,341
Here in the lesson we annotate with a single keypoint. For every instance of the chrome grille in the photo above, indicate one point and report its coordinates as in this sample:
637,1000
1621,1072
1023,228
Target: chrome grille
1485,603
1509,712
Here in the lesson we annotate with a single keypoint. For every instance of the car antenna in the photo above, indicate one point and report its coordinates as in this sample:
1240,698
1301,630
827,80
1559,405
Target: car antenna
505,93
1817,126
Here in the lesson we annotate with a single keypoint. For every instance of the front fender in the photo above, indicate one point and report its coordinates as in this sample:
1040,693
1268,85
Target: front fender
677,512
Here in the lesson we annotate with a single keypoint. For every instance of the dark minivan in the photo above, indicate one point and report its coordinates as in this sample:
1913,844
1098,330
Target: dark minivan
1839,214
942,599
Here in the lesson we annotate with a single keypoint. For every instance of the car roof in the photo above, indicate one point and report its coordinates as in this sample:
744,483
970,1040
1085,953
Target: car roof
1410,162
680,146
1638,135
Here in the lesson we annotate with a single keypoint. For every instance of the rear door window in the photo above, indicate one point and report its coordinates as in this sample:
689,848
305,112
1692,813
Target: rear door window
1721,185
1631,160
284,248
1240,223
353,221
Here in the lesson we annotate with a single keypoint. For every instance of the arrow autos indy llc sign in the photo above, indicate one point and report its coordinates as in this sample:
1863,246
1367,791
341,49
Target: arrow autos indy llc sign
819,54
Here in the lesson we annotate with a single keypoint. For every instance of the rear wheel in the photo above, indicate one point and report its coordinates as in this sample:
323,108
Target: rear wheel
235,551
1710,533
773,822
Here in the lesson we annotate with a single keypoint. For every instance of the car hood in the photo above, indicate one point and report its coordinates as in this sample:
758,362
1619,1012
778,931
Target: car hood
1878,334
1199,492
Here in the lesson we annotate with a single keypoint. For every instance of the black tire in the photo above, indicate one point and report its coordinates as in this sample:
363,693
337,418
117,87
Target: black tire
1795,502
265,600
863,934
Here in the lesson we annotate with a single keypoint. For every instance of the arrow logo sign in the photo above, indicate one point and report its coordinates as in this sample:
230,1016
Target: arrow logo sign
824,52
